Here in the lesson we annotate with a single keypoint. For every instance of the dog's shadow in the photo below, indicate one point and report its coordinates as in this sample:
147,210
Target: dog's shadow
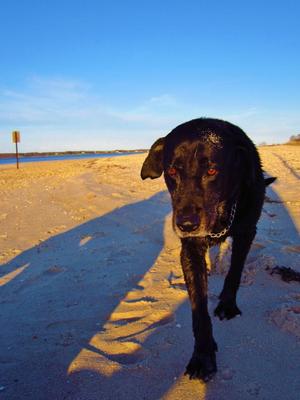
60,294
57,295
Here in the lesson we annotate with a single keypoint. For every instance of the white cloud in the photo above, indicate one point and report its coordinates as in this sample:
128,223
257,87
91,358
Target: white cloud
62,114
67,114
164,100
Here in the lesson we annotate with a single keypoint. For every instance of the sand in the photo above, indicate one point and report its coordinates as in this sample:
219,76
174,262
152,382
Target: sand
93,302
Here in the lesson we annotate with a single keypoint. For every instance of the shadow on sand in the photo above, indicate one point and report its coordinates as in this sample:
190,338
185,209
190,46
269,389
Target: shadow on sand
67,289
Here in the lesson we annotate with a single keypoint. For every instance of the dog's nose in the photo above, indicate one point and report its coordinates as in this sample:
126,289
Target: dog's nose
188,223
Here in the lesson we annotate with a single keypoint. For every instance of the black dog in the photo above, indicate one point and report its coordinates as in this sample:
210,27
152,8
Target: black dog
214,175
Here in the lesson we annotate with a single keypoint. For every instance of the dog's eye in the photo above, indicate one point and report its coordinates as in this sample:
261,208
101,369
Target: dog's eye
211,171
172,172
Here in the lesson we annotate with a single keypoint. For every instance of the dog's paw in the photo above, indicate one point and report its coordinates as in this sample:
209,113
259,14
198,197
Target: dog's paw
202,366
227,310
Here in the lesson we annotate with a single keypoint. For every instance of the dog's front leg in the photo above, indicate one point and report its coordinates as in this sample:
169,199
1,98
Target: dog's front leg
203,362
227,307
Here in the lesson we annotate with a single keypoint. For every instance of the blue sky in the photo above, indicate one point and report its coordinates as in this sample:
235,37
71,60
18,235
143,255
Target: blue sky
118,74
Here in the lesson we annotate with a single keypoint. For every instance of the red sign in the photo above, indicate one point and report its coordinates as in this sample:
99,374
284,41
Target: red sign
16,137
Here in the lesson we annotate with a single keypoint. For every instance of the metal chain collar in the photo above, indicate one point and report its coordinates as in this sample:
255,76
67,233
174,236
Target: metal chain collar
225,230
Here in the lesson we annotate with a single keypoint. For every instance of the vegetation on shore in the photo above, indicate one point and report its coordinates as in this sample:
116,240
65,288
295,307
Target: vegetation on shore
66,153
294,140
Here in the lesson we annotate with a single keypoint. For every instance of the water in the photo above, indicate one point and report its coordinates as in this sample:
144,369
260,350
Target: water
61,157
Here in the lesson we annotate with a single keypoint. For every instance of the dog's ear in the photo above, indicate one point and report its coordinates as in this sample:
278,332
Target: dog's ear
153,165
270,180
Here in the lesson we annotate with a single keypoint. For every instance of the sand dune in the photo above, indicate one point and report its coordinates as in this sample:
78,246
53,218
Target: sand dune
93,302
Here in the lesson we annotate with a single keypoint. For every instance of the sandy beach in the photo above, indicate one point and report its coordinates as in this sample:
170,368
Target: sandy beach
93,302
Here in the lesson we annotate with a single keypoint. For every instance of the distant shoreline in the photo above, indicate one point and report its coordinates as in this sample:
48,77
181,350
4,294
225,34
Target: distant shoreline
69,153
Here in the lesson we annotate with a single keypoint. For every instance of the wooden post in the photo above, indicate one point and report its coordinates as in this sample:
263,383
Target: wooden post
16,140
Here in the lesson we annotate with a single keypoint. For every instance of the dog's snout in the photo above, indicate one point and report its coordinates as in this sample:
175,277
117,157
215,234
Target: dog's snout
188,223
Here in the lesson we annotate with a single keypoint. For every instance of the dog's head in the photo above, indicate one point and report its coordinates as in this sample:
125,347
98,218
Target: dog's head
204,168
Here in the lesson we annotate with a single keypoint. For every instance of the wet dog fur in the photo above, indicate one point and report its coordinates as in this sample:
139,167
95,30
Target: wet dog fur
214,175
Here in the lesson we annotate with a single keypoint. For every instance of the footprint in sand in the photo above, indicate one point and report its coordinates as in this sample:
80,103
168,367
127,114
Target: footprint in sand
268,213
227,374
125,321
253,389
168,319
145,299
287,318
255,263
85,239
56,229
292,249
176,281
126,329
91,164
125,353
91,195
128,358
54,269
295,296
